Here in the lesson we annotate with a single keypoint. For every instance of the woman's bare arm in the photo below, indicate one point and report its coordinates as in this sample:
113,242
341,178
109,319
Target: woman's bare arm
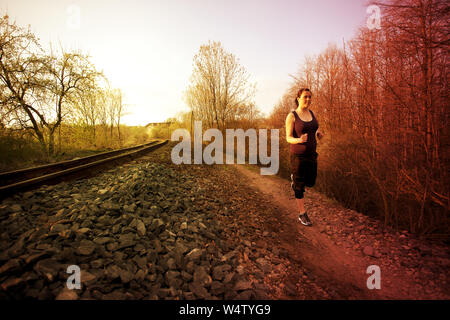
290,129
319,133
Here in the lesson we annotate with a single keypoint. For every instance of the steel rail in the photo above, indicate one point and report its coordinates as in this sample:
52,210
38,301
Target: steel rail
7,178
37,181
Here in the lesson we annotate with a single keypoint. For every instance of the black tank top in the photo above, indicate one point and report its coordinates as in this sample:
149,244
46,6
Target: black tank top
302,127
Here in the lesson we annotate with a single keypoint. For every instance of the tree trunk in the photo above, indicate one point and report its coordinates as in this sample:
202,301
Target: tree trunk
51,143
59,139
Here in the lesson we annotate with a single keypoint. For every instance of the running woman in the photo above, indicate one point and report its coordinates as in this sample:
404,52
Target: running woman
301,131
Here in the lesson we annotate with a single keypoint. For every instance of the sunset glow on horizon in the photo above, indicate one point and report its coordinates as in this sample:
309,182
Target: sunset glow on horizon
146,48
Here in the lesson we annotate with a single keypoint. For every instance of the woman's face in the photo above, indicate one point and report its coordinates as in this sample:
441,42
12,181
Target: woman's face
305,99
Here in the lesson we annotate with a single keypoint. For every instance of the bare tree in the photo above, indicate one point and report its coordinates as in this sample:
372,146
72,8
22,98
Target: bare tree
32,82
219,86
86,109
69,73
116,110
22,70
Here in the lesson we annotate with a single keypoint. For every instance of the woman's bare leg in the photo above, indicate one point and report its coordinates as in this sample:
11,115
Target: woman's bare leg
301,205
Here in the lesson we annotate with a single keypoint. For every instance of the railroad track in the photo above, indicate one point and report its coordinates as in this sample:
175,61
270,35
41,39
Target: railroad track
29,178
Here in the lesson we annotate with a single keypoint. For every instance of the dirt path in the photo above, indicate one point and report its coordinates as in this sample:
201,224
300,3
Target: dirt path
337,250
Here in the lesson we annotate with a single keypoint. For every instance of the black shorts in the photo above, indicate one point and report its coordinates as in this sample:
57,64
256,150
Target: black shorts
303,172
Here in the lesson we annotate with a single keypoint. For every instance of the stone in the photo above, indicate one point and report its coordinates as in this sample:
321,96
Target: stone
264,265
201,277
368,251
126,240
194,254
67,294
112,246
140,275
125,276
9,266
154,211
140,228
57,228
129,208
242,285
97,264
199,290
291,289
115,295
157,246
186,276
83,230
86,247
17,248
12,282
209,235
112,272
141,262
172,279
48,268
115,229
15,208
219,271
105,220
157,226
87,278
217,288
109,205
245,295
35,257
163,293
228,277
188,296
118,257
171,264
240,269
27,195
102,240
228,256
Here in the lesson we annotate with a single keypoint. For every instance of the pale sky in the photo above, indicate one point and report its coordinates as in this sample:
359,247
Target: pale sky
146,48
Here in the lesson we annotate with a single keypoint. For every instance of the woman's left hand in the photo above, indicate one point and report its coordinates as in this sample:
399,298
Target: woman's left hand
319,134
